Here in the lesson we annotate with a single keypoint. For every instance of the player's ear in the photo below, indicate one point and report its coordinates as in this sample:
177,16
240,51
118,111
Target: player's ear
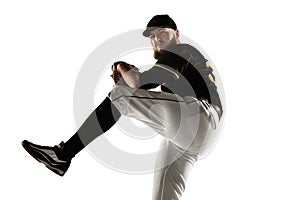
176,34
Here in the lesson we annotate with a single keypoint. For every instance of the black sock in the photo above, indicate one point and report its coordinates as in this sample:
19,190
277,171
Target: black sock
98,122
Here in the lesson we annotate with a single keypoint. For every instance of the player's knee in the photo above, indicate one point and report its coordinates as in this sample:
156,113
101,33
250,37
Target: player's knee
120,91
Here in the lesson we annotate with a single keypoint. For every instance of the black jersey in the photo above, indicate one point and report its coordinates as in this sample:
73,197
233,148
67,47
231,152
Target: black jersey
183,70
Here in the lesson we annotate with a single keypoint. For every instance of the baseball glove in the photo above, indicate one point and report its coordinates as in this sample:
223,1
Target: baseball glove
117,76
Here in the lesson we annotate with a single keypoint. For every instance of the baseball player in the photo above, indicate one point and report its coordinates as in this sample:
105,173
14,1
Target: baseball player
187,111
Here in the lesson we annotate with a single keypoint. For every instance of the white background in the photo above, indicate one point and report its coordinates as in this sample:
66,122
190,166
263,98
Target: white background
253,44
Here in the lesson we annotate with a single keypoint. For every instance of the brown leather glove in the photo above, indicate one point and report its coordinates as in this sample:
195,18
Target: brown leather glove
117,76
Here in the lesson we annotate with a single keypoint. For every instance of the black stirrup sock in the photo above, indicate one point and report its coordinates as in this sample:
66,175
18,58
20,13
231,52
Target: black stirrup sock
99,121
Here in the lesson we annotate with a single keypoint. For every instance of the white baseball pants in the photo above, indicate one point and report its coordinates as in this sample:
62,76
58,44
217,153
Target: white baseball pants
189,126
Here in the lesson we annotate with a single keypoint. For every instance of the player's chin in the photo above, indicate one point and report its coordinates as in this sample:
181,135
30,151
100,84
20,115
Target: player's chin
157,54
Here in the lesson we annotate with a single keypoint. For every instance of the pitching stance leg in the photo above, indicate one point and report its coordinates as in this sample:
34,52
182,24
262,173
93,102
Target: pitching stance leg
187,125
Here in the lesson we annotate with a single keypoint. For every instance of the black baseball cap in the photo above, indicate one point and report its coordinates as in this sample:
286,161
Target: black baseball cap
159,21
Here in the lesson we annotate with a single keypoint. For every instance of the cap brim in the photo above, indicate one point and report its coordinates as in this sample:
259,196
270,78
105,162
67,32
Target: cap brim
146,32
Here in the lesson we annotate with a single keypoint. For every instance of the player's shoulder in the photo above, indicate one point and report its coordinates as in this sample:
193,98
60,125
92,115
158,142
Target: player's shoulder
185,50
181,46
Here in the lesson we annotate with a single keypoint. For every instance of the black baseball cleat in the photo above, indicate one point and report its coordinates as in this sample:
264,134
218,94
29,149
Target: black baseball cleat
49,156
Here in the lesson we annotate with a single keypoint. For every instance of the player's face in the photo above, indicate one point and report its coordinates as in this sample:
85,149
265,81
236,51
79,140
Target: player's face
161,38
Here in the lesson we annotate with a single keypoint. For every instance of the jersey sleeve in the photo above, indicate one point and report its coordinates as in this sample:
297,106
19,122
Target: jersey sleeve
159,74
150,79
174,61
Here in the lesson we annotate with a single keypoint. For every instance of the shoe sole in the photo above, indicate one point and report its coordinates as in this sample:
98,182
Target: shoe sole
40,158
